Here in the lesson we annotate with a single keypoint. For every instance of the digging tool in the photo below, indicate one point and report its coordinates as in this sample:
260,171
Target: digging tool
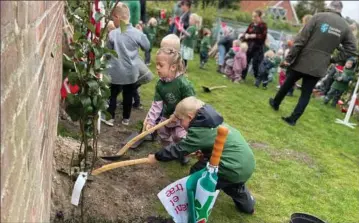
115,165
135,139
210,89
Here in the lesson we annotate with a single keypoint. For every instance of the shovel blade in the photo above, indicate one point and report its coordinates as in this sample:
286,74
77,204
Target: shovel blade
206,89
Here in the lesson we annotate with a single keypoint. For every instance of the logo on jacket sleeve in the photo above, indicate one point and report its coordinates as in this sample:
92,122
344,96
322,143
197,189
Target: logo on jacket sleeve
324,27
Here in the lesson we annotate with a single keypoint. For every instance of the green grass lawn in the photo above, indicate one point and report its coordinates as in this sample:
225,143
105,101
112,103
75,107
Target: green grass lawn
311,168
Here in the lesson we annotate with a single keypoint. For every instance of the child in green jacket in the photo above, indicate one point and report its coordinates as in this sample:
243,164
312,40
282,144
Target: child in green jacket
150,30
205,46
341,82
237,161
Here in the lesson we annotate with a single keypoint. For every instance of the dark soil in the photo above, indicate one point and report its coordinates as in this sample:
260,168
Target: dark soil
120,195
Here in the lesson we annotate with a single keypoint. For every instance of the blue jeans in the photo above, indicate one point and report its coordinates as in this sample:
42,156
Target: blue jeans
221,54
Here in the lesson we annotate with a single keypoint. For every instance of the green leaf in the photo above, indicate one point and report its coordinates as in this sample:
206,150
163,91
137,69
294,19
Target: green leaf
77,36
73,78
123,26
97,63
79,12
86,104
105,78
93,85
98,16
113,52
91,27
67,57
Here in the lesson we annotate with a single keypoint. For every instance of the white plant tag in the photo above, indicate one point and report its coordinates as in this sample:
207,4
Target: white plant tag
79,184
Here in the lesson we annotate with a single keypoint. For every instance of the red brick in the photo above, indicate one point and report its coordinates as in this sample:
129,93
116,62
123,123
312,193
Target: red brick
36,10
8,158
7,12
22,14
40,30
20,126
10,60
29,38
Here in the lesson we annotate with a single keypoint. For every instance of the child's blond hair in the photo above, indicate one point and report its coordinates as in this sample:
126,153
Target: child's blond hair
174,58
197,19
236,42
152,21
189,105
110,26
244,47
269,54
171,41
306,19
122,11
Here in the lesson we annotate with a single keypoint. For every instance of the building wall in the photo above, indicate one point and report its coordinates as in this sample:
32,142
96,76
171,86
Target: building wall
31,72
250,6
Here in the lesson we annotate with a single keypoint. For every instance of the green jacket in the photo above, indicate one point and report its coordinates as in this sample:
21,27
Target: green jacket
342,85
150,32
135,11
237,162
205,44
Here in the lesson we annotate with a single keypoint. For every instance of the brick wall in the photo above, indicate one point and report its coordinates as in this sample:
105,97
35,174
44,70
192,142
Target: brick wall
31,72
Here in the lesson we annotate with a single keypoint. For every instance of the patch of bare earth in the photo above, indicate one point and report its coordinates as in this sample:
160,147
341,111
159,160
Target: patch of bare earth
121,195
287,154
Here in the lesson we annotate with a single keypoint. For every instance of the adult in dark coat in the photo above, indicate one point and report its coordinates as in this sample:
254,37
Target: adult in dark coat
311,54
255,36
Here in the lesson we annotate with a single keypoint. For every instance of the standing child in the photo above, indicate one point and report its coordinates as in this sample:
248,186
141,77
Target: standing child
189,38
172,87
229,59
341,82
264,68
185,16
205,46
124,70
240,63
237,162
150,30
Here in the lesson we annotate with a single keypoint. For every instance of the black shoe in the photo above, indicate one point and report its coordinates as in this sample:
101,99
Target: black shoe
185,160
289,121
273,105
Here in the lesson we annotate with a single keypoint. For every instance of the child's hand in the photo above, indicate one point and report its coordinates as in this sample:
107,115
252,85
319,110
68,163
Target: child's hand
199,155
148,126
152,159
174,119
339,78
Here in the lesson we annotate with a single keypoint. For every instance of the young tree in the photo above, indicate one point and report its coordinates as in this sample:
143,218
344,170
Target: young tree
317,6
302,8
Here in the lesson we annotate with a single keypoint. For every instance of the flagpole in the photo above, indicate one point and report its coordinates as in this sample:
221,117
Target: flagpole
350,109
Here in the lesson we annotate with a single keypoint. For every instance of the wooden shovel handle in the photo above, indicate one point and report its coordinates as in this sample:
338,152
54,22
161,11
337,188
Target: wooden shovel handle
222,133
217,87
128,145
119,164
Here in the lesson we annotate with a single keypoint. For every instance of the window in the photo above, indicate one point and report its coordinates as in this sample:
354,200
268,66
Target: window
277,12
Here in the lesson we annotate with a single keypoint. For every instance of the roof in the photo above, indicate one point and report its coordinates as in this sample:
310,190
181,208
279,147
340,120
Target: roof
250,6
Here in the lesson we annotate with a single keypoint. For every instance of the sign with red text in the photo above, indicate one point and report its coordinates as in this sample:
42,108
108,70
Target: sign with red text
174,199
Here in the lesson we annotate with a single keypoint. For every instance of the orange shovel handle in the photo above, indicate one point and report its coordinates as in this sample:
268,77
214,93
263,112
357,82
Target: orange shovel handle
222,133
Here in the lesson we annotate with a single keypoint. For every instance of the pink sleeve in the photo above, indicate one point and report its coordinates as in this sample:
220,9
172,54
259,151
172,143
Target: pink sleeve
244,61
154,112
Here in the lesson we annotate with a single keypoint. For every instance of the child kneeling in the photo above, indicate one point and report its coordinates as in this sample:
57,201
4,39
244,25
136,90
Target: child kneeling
237,161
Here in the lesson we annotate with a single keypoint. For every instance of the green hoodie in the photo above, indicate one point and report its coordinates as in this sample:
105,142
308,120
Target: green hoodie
342,85
237,162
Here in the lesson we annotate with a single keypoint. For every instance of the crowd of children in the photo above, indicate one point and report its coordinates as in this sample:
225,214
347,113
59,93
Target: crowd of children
174,96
